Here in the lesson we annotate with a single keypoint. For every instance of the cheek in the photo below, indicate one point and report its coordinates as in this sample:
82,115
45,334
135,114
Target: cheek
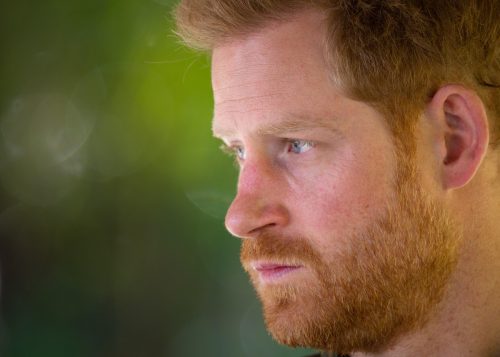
342,198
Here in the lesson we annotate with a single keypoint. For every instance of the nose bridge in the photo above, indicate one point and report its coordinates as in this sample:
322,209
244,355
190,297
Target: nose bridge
258,202
256,175
260,179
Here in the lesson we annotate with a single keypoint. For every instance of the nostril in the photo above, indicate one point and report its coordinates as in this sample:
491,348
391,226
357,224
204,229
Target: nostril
262,228
246,220
254,210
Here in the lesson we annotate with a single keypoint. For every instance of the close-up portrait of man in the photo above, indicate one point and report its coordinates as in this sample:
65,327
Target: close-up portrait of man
366,135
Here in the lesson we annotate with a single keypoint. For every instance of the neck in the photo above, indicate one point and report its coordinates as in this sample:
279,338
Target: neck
466,323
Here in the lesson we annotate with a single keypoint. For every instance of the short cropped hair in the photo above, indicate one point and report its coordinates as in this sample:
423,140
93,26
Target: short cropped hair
393,54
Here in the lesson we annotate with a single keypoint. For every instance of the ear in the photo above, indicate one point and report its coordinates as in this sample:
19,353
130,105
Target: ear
463,133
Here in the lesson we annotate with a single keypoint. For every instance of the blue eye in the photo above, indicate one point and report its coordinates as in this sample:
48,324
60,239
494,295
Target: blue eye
235,151
239,152
299,146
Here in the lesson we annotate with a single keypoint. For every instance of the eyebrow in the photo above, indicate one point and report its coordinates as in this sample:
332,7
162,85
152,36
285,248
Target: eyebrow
290,124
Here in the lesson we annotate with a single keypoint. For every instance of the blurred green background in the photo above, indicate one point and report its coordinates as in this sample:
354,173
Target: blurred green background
112,191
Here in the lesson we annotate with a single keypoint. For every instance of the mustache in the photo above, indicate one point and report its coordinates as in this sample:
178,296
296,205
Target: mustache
280,249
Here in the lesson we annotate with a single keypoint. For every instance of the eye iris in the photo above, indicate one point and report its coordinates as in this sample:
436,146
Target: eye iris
299,146
240,153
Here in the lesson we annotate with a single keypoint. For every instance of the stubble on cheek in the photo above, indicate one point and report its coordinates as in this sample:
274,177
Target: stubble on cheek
361,298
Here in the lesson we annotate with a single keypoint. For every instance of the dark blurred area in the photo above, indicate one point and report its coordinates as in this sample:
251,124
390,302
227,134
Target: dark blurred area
112,191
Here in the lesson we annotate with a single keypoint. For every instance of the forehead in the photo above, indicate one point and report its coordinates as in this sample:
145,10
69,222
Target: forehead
275,72
280,45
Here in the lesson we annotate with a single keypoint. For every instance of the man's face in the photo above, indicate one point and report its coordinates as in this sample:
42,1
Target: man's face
344,253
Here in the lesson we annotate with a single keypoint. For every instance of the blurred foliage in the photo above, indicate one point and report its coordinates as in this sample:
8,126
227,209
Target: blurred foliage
112,191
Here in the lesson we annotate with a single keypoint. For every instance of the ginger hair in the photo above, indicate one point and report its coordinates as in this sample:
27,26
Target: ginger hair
393,54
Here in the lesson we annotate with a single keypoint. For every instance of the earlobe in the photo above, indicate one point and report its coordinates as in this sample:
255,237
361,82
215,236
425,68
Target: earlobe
463,132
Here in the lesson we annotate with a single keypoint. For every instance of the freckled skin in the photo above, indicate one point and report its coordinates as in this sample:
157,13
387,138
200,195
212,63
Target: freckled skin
326,192
385,248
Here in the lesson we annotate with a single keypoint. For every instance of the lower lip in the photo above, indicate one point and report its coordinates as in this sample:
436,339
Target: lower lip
276,273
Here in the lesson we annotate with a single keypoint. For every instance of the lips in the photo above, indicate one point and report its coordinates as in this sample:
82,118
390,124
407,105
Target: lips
269,272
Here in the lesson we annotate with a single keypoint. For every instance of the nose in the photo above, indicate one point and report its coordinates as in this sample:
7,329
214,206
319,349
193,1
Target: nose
259,203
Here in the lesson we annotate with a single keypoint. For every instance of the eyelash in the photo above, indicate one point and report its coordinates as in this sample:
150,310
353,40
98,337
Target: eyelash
233,150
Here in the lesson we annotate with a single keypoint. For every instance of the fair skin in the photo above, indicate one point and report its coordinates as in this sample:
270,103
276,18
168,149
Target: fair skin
316,164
